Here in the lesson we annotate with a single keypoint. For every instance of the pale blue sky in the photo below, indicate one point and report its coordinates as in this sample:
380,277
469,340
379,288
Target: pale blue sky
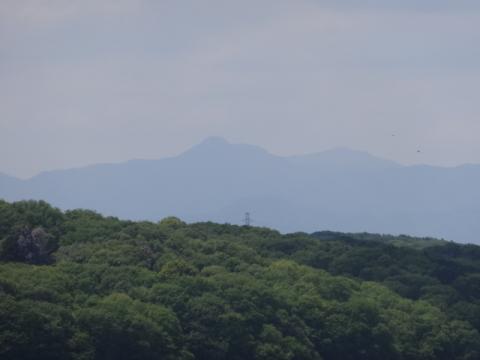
93,81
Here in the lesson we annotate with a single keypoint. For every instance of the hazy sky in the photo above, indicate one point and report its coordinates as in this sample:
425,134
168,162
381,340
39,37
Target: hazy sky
88,81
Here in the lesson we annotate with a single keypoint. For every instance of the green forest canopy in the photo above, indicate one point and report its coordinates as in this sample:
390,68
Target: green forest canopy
77,285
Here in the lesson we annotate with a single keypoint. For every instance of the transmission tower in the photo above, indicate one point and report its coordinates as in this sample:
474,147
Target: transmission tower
247,220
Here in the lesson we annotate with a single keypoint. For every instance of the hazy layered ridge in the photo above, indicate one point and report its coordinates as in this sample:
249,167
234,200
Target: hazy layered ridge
338,190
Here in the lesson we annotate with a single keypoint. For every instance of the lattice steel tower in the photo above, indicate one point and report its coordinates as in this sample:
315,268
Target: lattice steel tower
247,220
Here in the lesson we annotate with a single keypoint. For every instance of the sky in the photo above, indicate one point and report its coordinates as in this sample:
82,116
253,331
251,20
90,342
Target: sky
95,81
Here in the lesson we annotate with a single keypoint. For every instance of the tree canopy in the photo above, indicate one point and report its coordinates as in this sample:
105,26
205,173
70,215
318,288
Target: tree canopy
78,285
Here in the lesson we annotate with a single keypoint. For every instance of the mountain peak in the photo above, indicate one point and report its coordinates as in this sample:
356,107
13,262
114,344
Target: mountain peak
6,176
346,158
211,143
215,147
215,140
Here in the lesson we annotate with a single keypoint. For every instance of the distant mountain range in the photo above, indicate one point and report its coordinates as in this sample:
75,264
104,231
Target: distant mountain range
340,190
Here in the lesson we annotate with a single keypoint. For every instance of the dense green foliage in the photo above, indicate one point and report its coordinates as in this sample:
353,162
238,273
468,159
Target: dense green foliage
77,285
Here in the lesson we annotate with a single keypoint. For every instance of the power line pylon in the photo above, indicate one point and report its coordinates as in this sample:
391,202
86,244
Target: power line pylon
247,220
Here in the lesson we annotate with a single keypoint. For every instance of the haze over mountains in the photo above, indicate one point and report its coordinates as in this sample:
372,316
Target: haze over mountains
341,190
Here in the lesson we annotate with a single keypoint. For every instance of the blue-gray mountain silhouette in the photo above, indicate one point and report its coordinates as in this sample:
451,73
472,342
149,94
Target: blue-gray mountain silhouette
339,189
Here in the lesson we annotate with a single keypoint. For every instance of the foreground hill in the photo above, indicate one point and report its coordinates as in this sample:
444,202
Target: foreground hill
339,190
77,285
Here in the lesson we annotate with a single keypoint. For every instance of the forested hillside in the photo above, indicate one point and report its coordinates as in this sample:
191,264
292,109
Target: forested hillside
77,285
